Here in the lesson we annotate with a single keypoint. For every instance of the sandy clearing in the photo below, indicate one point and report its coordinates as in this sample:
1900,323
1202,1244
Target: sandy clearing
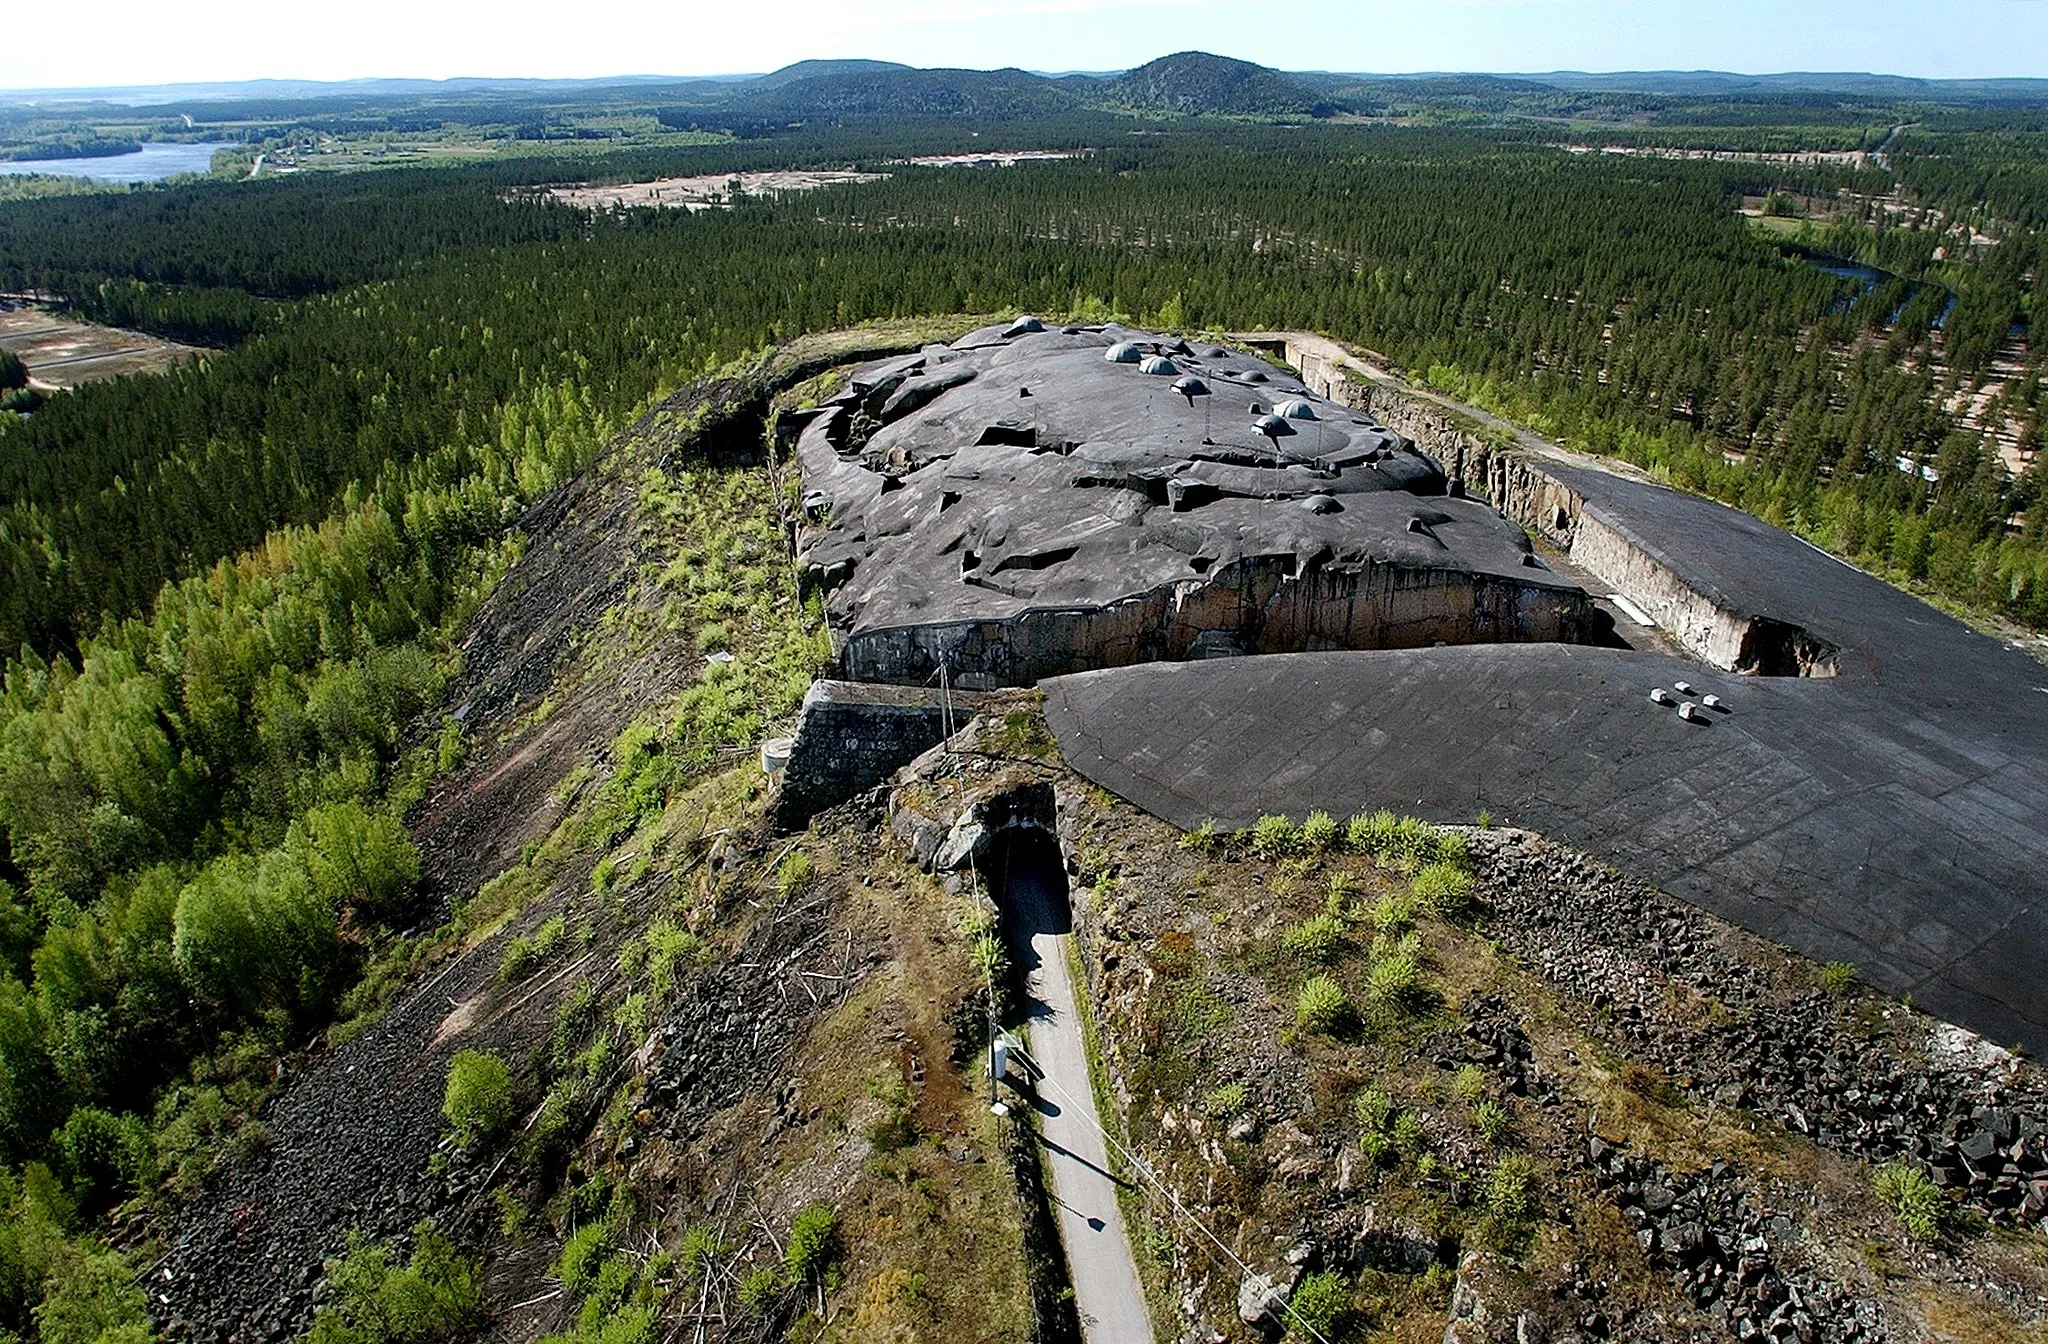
708,191
62,353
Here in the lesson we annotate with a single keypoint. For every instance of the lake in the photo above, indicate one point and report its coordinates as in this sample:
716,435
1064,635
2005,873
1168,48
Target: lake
151,163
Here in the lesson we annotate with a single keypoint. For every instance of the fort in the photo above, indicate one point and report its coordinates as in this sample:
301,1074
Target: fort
1447,623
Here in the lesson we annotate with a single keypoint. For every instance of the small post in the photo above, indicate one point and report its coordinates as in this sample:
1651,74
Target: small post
998,1067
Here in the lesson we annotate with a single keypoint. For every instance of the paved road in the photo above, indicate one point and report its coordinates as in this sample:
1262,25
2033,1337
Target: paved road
1106,1292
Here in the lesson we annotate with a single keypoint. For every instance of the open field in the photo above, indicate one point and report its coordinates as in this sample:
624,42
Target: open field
62,353
707,191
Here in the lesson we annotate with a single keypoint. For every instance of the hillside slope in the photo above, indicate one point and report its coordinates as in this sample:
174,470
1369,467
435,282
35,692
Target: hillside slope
707,1030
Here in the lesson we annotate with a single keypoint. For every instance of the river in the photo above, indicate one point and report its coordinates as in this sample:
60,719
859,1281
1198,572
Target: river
151,163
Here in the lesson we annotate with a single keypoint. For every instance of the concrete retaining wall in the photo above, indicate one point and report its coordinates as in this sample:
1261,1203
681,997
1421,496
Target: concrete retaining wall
852,737
1521,489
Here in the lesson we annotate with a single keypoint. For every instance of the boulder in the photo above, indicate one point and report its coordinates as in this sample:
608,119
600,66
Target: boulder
1495,1303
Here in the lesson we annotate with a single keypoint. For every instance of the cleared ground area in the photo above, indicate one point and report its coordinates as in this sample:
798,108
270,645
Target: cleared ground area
62,353
707,191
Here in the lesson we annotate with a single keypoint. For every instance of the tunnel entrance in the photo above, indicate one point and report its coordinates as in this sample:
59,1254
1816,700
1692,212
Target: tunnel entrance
1028,879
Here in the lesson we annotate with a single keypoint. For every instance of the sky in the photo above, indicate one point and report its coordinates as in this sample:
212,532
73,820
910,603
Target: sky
148,42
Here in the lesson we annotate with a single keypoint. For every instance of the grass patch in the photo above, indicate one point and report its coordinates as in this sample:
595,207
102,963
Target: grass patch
478,1101
1912,1198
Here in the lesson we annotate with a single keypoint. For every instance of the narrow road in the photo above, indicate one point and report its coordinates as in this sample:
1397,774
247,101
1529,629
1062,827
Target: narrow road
1039,928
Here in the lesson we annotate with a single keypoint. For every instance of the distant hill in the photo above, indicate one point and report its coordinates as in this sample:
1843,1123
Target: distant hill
1197,82
1188,82
875,90
803,70
1719,83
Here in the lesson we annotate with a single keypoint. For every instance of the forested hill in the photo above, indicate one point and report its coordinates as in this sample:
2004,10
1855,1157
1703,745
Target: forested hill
1619,301
1194,81
235,588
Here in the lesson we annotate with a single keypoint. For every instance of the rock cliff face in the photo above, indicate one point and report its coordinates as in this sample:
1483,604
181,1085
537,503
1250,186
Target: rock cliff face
1029,502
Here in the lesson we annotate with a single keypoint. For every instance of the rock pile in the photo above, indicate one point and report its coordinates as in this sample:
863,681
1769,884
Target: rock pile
1729,1253
1883,1086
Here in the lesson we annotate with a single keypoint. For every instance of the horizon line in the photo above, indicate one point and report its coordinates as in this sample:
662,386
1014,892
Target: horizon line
341,84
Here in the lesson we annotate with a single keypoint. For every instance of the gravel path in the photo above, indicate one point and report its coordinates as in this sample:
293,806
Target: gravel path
1107,1294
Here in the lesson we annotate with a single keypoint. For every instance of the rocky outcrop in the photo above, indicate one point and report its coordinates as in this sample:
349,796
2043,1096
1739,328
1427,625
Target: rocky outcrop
1730,1252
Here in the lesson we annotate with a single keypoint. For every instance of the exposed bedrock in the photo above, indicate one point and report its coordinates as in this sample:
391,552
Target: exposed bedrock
1030,502
1256,605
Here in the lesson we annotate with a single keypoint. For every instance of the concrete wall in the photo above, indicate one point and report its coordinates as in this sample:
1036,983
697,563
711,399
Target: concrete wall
1521,489
1256,606
852,737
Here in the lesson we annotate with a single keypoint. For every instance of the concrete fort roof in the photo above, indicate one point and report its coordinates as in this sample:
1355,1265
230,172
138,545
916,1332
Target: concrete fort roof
1031,501
1893,815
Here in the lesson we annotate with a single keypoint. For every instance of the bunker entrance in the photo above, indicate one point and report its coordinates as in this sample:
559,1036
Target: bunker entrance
1029,882
1772,648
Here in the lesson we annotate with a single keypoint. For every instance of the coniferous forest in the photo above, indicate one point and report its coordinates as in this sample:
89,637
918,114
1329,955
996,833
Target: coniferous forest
229,592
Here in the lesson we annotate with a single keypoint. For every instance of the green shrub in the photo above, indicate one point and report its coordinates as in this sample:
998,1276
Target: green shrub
90,1297
436,1296
757,1290
1414,843
671,949
1913,1199
1318,1306
1450,847
604,1322
1373,1108
1202,839
1492,1121
523,953
698,1252
1228,1100
1315,939
1095,865
813,1243
1409,1134
1837,976
359,860
105,1158
1322,1006
1393,915
575,1015
582,1256
1393,984
1370,834
793,875
255,933
1274,837
1377,1147
1445,890
1469,1083
1510,1192
1319,833
991,963
478,1102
